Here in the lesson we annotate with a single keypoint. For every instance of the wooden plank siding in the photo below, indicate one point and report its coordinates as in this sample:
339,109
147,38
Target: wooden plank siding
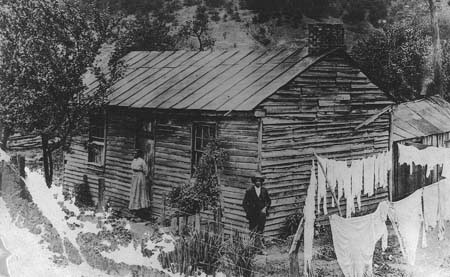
120,145
318,112
173,153
240,141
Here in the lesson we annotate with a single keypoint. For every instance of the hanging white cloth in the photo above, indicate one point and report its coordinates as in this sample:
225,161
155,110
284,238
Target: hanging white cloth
340,172
369,175
407,217
309,214
331,178
430,205
357,180
354,240
321,183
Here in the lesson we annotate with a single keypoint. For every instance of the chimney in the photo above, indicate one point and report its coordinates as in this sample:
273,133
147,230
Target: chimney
324,36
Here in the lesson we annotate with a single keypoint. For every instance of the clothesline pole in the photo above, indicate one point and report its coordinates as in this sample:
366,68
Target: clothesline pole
294,265
326,182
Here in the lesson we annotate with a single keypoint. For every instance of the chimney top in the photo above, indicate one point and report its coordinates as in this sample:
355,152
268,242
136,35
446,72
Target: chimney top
324,36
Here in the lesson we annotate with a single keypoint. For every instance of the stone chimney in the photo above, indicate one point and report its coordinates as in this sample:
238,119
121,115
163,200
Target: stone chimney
324,36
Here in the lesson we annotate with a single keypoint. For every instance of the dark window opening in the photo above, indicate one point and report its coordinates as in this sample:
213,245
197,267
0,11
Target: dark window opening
97,134
202,135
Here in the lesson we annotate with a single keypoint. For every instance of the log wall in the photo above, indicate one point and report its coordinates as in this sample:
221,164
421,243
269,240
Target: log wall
173,152
120,145
318,112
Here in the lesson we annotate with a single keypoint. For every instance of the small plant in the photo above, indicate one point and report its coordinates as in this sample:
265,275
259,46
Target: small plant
83,197
290,224
199,251
204,193
238,256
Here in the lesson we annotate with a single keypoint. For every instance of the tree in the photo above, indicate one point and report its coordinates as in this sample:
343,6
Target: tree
46,47
199,28
437,50
396,58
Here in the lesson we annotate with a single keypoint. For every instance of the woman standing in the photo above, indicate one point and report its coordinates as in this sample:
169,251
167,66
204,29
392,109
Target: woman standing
139,194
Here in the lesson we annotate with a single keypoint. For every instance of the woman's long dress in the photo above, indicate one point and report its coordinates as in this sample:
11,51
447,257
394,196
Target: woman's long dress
139,194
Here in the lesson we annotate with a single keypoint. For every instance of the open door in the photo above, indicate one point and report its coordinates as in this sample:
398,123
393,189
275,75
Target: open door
145,141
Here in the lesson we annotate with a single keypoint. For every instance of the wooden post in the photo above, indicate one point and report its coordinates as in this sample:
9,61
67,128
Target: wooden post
1,175
197,222
294,267
21,165
174,225
101,195
393,159
163,216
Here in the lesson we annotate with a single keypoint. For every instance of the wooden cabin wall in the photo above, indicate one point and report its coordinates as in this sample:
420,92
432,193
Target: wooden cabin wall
173,140
173,153
240,142
318,112
120,145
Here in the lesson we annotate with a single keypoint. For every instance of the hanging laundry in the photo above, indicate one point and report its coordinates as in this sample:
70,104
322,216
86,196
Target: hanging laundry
309,214
387,165
331,178
354,240
347,181
430,205
340,168
444,206
357,179
378,167
444,199
369,172
408,155
321,182
429,157
407,218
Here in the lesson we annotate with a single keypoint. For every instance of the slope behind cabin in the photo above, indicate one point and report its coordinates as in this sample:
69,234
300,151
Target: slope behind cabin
270,109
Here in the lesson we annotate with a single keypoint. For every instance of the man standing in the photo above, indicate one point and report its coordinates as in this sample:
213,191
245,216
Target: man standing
256,205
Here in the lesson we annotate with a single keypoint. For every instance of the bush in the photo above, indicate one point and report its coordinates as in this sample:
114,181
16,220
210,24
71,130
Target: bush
290,224
204,193
199,251
83,197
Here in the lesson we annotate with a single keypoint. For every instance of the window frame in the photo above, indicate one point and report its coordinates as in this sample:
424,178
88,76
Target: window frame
195,152
99,119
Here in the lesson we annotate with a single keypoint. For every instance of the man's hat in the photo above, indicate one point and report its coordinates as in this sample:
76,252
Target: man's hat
258,176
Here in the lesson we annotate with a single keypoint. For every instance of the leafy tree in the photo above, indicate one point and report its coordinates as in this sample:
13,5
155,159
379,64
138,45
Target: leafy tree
46,47
371,10
395,59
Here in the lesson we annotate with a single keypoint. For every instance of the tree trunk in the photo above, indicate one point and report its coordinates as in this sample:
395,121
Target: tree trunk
47,160
437,51
6,134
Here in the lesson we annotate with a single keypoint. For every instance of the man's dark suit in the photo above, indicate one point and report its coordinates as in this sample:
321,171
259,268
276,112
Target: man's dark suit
253,205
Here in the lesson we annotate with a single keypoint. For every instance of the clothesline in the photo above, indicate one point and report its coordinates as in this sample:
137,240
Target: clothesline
361,177
429,156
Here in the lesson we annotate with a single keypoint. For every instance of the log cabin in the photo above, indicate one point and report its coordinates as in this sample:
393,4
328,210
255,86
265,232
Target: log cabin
271,110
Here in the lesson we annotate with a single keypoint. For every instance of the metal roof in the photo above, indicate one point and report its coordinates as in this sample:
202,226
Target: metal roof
206,80
420,118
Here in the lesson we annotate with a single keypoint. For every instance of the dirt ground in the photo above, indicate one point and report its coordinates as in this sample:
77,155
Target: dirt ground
434,260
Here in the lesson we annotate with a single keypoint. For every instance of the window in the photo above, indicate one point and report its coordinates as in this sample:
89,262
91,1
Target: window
202,135
96,151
